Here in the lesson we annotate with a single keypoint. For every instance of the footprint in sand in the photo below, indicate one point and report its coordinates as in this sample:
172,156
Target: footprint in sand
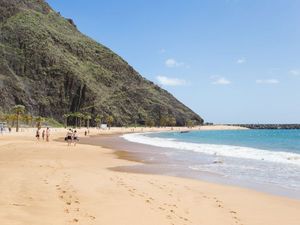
92,217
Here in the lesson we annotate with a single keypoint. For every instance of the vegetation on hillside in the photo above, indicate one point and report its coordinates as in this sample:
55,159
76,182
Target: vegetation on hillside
47,65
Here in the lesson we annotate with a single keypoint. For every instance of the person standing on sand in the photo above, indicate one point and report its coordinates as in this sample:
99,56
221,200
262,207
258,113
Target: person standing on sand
37,134
43,135
69,137
75,137
47,134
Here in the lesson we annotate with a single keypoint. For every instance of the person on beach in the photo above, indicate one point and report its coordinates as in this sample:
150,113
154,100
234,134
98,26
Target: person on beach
43,135
75,137
47,134
37,134
69,137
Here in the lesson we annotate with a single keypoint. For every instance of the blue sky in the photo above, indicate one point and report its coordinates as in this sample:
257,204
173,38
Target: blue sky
231,61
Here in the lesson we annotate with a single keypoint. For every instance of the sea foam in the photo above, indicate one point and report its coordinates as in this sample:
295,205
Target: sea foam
218,150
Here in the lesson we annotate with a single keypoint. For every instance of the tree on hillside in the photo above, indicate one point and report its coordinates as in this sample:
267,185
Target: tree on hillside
27,119
2,116
172,121
87,117
10,119
18,110
39,121
150,122
78,116
110,121
163,122
66,117
98,120
190,123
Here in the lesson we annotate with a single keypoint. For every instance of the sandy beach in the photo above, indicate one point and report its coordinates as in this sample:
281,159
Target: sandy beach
52,183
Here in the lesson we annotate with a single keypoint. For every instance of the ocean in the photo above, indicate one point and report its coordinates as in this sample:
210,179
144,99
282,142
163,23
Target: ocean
261,159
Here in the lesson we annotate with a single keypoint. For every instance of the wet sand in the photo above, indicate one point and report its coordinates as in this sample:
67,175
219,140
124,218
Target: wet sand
152,160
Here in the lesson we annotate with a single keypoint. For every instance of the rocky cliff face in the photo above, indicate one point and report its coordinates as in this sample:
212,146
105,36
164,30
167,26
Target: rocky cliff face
47,65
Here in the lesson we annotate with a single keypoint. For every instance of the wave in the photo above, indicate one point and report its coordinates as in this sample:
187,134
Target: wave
219,150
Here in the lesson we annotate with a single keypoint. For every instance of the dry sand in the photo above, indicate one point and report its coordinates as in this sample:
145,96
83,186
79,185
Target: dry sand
52,184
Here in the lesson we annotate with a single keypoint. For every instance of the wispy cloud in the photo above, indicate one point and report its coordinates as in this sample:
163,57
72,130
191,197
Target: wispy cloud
295,72
171,63
217,80
170,81
241,60
267,81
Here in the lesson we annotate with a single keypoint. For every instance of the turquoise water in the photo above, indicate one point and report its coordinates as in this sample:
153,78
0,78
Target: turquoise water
255,157
273,140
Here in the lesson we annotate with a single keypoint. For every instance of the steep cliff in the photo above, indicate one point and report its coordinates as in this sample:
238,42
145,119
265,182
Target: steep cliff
50,67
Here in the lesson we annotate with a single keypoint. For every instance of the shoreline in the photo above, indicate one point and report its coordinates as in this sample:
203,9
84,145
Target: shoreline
131,151
51,183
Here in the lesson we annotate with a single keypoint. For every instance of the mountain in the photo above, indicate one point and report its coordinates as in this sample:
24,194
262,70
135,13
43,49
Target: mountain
49,66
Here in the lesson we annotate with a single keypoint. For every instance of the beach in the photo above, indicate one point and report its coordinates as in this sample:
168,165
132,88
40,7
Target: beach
52,183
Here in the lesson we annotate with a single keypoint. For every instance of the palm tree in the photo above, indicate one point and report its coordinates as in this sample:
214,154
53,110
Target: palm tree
2,116
75,115
87,117
110,121
39,121
190,123
18,110
10,119
163,121
149,122
98,120
78,116
27,119
172,121
66,117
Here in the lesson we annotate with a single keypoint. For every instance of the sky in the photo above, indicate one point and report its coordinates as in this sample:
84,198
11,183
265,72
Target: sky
230,61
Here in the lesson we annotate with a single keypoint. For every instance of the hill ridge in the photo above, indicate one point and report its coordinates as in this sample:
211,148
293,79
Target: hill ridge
49,66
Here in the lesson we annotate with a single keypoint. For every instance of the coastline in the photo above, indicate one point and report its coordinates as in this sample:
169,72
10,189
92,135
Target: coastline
153,160
51,183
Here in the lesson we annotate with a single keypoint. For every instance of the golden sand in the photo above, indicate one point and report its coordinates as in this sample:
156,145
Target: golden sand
52,184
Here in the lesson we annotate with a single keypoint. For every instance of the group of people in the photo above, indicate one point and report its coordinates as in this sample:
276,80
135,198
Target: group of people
45,134
72,137
3,130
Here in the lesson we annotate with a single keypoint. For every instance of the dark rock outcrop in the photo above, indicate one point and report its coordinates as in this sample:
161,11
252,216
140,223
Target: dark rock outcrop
269,126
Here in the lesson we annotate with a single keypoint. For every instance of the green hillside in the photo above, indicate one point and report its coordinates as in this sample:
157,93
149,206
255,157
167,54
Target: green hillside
50,67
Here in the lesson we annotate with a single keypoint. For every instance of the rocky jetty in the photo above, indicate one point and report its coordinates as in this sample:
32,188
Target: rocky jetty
269,126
